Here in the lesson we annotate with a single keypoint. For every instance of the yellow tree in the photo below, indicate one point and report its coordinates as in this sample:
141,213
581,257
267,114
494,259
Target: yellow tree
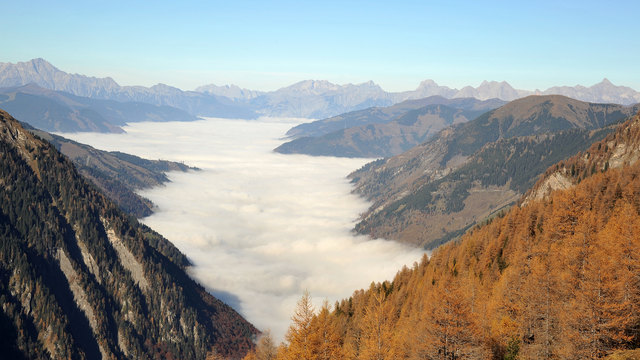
618,260
325,335
299,335
377,327
576,267
451,330
352,328
541,306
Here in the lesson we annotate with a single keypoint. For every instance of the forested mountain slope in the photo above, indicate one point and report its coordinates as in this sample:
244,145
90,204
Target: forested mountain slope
489,181
117,174
437,189
557,278
80,279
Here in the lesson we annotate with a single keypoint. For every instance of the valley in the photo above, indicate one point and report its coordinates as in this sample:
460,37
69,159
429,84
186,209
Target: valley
259,227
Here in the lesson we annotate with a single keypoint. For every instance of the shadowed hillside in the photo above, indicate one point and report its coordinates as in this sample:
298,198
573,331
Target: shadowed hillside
80,279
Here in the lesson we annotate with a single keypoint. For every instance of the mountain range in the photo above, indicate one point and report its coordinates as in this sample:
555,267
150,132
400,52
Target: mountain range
79,279
436,190
306,99
381,132
44,74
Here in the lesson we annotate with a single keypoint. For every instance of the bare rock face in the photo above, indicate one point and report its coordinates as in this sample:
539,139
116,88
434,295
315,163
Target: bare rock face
616,150
127,259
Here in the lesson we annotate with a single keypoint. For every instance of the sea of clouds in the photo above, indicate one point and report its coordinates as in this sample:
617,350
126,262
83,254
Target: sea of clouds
259,227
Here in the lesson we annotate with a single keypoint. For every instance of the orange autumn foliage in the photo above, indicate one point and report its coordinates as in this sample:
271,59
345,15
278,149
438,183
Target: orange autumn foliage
558,279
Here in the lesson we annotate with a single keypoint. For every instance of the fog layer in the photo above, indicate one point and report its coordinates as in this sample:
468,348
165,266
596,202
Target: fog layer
260,227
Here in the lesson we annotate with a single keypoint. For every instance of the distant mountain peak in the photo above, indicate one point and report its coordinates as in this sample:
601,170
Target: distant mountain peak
492,89
368,85
230,91
495,83
40,63
163,86
606,81
427,82
312,85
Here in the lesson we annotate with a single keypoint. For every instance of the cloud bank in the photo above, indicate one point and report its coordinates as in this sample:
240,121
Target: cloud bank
260,227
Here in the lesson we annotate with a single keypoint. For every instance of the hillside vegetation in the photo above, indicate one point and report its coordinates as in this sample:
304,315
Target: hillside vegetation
557,278
116,174
81,280
436,190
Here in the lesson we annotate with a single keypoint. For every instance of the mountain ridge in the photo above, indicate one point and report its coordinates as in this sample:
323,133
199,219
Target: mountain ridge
329,99
80,279
381,140
394,185
379,115
379,132
621,148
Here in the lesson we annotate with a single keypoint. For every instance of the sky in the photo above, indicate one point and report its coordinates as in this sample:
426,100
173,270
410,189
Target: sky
265,45
259,227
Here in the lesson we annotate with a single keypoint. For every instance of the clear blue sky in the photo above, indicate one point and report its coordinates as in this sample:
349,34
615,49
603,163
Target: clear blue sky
269,44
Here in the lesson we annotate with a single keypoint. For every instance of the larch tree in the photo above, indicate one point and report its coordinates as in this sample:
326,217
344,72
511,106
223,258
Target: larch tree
450,328
377,327
620,262
265,348
299,336
326,337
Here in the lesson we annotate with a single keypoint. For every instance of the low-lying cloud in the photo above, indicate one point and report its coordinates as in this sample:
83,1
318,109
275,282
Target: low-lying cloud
260,227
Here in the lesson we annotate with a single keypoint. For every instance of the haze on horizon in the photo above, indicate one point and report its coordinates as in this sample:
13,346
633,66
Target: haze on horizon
268,45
